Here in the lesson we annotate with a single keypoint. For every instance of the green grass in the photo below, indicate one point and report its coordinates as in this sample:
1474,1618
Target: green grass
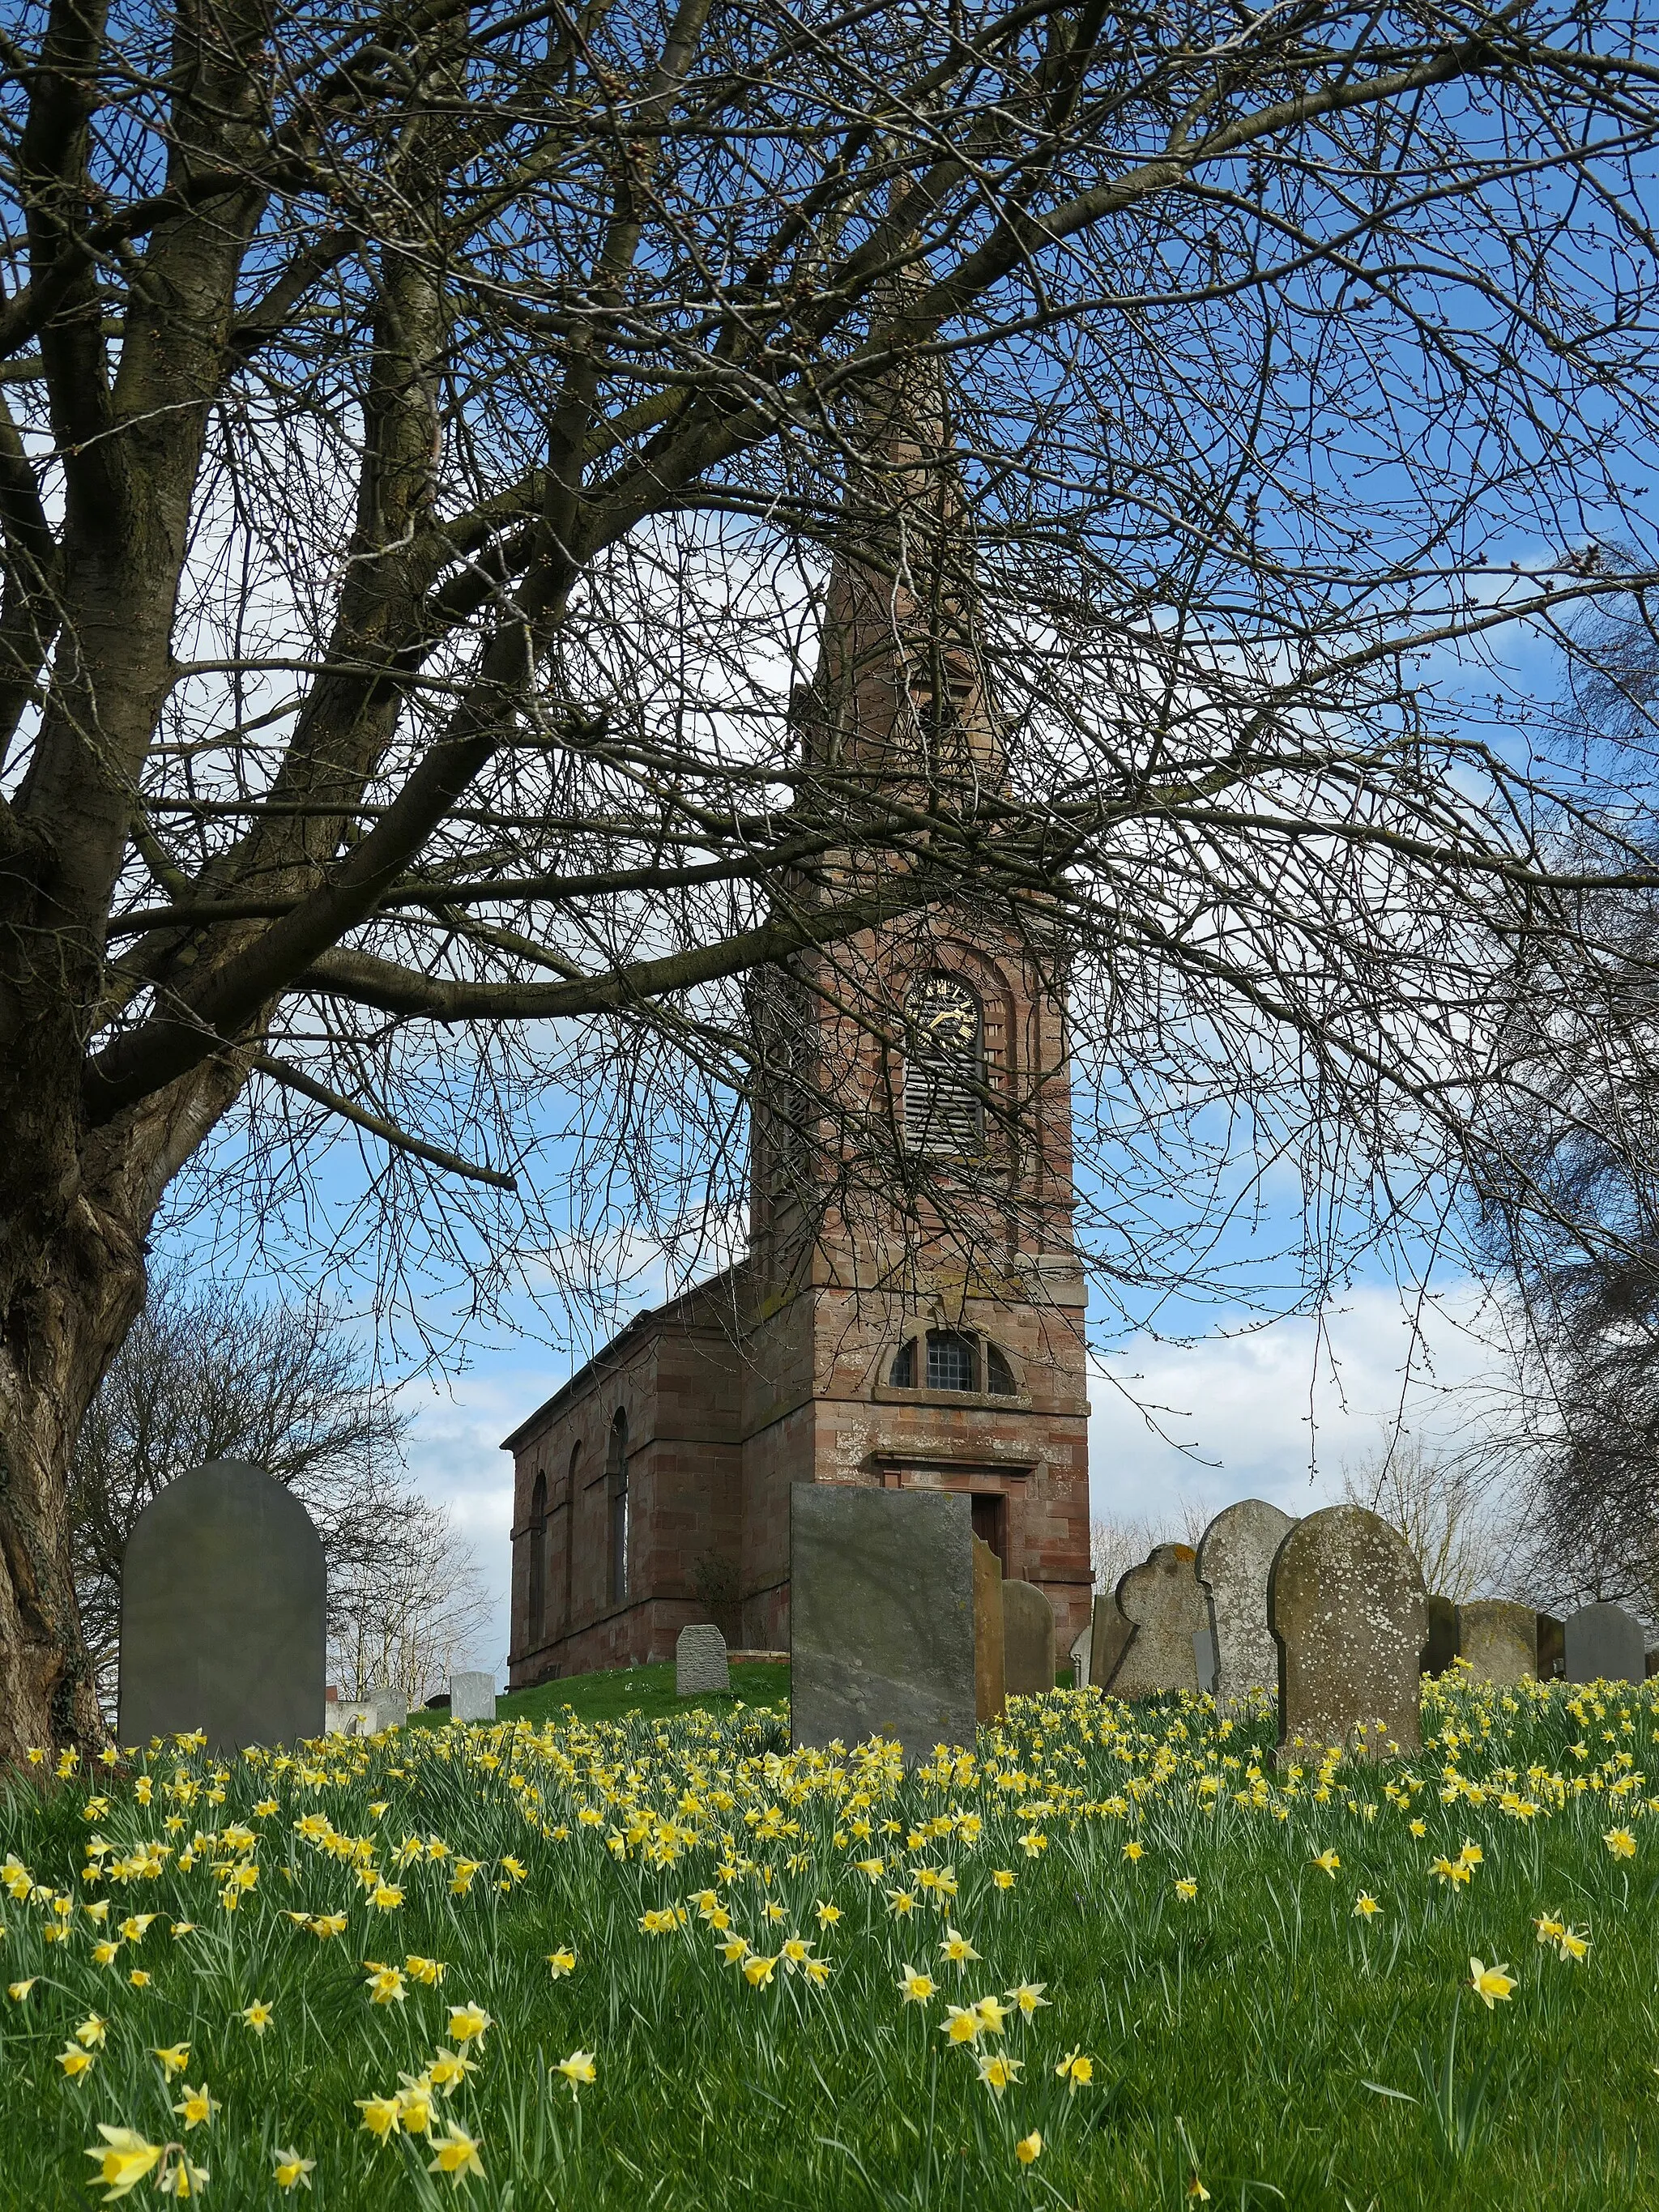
1260,2038
646,1690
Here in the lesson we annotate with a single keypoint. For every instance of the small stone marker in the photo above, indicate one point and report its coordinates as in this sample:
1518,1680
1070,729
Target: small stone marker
223,1613
1442,1644
388,1708
1347,1606
1164,1604
990,1673
1604,1644
1551,1648
1499,1639
472,1696
700,1661
1028,1640
1079,1658
1108,1639
881,1616
1235,1556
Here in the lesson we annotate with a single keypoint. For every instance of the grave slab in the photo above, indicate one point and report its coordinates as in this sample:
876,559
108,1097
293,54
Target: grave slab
1235,1555
1498,1639
223,1613
701,1664
1028,1640
990,1673
1347,1609
881,1611
1603,1644
472,1696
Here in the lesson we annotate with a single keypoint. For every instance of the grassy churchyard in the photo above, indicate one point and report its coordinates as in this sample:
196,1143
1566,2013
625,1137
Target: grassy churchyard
1113,1958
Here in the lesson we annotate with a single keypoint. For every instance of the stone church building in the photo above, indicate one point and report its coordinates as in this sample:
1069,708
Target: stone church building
909,1312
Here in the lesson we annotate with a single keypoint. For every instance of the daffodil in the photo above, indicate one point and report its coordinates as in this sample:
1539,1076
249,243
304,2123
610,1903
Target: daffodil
1492,1984
1620,1843
562,1961
90,2034
123,2159
174,2057
956,1950
291,2171
257,2016
1133,1852
961,2024
456,2155
1365,1905
195,2108
1028,1995
468,2022
179,2177
1327,1863
577,2069
915,1987
992,2014
1028,2148
381,2115
428,1972
1185,1889
18,1990
997,2071
1076,2071
1003,1877
75,2061
757,1971
414,2102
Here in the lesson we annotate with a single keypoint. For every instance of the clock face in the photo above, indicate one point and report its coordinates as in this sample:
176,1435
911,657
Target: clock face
946,1014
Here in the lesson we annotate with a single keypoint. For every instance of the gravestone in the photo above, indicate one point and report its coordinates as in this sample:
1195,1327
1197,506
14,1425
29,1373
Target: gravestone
388,1708
223,1613
1347,1606
990,1679
700,1662
1204,1659
1109,1639
1165,1605
1441,1645
472,1697
1235,1554
1603,1645
1498,1639
1028,1640
1551,1648
1079,1658
881,1616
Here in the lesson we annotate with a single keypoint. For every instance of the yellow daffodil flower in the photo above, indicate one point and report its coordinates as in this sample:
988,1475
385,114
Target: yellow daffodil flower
174,2057
123,2159
915,1987
195,2108
456,2155
381,2115
579,2069
1076,2071
997,2071
563,1960
1028,2148
1620,1843
1492,1984
257,2016
291,2171
1365,1905
468,2022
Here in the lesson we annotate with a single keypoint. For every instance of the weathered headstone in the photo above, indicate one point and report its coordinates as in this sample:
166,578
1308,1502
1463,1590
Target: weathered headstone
223,1613
1204,1659
472,1697
1347,1606
1441,1644
388,1707
1604,1644
881,1616
990,1681
1108,1639
701,1666
1235,1554
1079,1658
1551,1648
1028,1640
1164,1604
1498,1639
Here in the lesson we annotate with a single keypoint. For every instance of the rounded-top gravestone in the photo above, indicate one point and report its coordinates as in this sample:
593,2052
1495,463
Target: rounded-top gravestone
1028,1640
223,1613
700,1667
1347,1609
1235,1555
1603,1644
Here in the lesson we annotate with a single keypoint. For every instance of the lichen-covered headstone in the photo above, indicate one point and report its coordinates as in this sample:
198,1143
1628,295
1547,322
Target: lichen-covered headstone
1108,1639
1498,1639
700,1667
990,1683
881,1616
1603,1644
1165,1605
1443,1641
472,1697
1028,1640
1235,1556
1347,1606
223,1613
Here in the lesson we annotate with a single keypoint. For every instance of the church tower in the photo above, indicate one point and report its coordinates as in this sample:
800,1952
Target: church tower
910,1311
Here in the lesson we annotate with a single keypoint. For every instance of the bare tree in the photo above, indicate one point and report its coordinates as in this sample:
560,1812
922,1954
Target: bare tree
1116,1543
206,1373
1446,1514
426,437
405,1608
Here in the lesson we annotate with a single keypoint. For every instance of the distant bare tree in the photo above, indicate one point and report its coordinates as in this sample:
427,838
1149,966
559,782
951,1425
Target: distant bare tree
1118,1543
404,1609
1439,1504
425,436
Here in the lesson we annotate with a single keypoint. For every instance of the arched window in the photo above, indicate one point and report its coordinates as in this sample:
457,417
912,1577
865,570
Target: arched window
902,1375
567,1617
616,1484
944,1074
537,1607
950,1360
999,1376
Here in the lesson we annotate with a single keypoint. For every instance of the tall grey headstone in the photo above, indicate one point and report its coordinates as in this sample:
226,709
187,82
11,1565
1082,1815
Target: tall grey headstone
881,1616
1079,1658
472,1697
1498,1639
1603,1645
1347,1609
1204,1659
1108,1639
223,1613
1165,1605
1028,1640
1235,1556
700,1662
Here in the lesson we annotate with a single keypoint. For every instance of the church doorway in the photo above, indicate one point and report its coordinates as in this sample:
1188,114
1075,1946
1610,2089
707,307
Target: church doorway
990,1510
